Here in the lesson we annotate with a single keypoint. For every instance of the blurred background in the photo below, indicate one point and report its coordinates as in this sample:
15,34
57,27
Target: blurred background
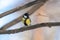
51,11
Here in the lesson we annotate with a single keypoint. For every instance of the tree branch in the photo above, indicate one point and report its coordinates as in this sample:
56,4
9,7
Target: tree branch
30,27
19,8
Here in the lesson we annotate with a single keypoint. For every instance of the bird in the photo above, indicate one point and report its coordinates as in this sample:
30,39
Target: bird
26,19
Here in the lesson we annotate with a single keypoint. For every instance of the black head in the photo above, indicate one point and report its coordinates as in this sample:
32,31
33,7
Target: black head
26,15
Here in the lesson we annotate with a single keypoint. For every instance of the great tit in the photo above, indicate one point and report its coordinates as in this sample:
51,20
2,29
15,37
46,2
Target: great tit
26,19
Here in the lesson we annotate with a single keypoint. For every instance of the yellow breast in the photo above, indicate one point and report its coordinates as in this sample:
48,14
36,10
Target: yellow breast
28,22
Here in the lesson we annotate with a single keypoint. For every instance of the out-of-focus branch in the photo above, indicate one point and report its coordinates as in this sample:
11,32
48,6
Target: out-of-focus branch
19,18
19,8
30,27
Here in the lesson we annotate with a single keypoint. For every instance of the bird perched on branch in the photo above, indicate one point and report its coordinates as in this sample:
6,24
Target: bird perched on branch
26,19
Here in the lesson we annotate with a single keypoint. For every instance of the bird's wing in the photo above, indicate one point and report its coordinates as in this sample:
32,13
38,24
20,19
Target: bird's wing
23,20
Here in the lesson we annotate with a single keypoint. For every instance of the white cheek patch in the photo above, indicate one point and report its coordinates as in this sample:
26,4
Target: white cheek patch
25,16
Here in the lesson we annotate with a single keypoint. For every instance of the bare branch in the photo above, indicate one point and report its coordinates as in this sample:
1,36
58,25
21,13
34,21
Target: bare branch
30,27
19,8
